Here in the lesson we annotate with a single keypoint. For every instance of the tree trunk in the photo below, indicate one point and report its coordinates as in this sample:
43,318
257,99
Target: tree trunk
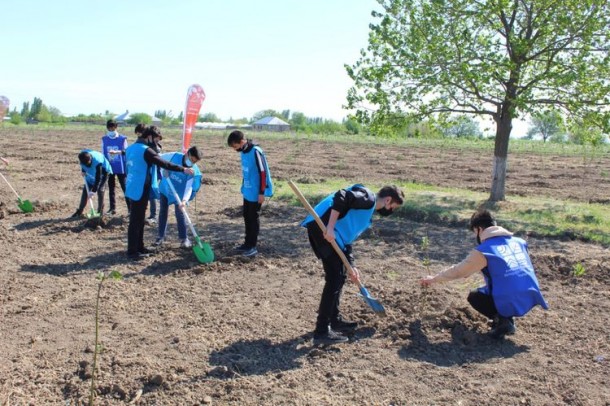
504,125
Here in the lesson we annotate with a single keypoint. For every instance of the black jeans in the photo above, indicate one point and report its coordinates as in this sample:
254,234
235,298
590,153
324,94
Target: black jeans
334,277
483,303
251,214
100,198
135,231
112,187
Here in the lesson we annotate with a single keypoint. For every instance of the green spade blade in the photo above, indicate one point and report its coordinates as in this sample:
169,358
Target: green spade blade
92,214
25,205
203,251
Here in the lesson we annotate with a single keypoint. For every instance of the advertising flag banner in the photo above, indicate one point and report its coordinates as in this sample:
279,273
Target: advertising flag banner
194,99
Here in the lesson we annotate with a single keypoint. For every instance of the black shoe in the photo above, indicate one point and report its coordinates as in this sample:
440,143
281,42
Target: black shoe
343,326
503,327
250,252
77,214
328,337
241,248
137,256
146,251
111,212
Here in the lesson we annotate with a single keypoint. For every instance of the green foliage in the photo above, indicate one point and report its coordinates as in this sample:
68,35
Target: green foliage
265,113
209,118
16,118
136,118
578,270
462,126
490,57
352,126
548,125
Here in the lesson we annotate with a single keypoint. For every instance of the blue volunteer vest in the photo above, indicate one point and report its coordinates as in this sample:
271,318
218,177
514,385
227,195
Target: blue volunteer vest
348,228
509,276
96,159
117,161
179,179
251,179
137,169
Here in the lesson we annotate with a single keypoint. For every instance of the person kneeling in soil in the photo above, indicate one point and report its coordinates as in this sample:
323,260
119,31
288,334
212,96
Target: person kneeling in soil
141,174
511,288
346,214
186,187
95,169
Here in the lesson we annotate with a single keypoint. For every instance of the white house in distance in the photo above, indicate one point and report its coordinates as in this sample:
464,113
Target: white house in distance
271,124
121,119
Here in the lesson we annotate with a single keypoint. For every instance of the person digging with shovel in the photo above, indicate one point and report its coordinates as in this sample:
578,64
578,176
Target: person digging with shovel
95,170
511,288
141,175
186,187
346,214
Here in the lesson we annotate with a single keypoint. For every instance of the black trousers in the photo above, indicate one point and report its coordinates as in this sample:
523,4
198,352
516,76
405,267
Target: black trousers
100,198
251,214
135,231
335,275
112,187
483,303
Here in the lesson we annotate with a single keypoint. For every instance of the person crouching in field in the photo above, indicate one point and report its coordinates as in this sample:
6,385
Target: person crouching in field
113,148
346,213
95,169
186,187
511,288
256,185
141,175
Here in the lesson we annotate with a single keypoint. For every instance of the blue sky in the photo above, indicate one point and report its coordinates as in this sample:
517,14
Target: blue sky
91,56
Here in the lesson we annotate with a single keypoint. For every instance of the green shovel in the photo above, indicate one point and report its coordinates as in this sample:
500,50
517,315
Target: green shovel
203,250
92,214
25,205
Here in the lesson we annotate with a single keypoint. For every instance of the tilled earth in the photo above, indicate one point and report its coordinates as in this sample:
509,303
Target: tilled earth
175,332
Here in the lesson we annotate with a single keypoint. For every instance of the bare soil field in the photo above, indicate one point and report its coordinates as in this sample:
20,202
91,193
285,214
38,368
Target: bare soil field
238,332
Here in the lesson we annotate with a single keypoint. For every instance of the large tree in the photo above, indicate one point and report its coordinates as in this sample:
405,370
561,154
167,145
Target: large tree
499,58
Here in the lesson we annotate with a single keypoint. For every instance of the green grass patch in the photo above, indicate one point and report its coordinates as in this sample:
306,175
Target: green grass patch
539,216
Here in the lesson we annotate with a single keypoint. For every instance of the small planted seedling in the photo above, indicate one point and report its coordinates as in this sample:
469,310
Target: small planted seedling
101,276
578,270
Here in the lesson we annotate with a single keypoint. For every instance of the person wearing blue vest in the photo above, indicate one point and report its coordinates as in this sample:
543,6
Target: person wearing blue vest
141,175
186,187
346,214
256,185
113,148
511,288
95,169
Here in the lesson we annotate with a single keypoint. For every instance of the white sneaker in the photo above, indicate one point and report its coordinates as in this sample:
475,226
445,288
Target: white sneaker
151,221
186,243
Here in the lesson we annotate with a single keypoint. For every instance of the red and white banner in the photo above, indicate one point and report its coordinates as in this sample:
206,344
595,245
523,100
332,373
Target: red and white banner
4,105
194,99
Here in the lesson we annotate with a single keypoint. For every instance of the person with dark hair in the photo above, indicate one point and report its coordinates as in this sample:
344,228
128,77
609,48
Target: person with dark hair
186,187
256,185
139,130
113,148
95,169
511,288
154,190
346,213
141,175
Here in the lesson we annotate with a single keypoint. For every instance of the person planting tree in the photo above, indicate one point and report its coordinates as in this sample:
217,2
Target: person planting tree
511,288
95,170
346,214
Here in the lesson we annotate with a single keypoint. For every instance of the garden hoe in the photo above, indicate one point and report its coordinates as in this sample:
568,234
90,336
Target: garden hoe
25,205
203,250
372,302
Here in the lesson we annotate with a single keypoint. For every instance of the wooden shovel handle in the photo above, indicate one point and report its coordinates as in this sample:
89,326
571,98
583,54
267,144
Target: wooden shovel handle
313,213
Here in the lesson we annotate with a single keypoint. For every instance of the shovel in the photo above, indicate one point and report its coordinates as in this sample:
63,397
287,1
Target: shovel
203,250
364,293
25,205
92,214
